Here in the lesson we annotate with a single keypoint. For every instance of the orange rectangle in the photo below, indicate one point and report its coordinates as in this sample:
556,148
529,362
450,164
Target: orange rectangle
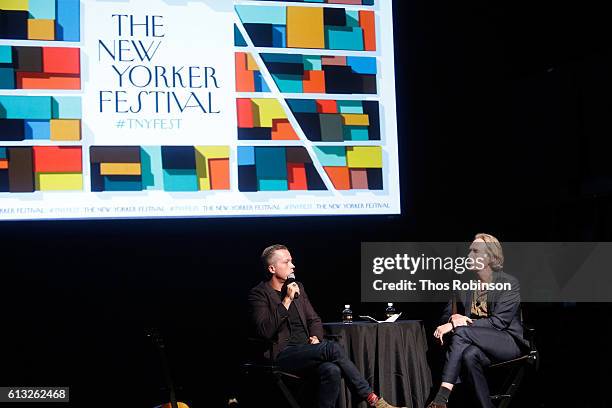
36,80
282,130
219,174
57,159
340,177
314,82
245,80
246,113
367,21
296,176
3,164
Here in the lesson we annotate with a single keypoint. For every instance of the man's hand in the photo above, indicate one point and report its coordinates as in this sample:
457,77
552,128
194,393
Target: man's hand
441,331
292,290
313,340
460,320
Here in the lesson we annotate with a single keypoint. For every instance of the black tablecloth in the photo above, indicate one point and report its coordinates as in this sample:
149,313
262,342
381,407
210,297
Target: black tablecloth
392,358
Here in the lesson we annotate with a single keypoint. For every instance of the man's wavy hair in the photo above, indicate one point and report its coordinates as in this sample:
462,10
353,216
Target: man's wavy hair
267,255
494,250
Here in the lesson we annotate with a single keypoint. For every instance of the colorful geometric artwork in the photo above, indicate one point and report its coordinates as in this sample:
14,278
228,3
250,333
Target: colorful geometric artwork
352,168
297,73
276,168
331,120
55,118
40,67
248,75
44,20
168,168
309,27
40,168
357,2
263,119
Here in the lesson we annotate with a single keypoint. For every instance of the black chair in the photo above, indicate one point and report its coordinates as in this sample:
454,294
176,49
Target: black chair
517,369
266,369
293,388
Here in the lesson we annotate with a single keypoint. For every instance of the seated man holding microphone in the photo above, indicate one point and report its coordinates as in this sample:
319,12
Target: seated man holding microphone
282,314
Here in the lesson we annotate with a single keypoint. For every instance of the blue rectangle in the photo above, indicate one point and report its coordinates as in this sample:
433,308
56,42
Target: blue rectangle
279,36
67,22
3,153
350,107
7,78
362,65
289,83
312,63
25,107
356,134
42,9
290,58
6,54
180,180
151,159
260,83
37,129
271,168
67,107
273,185
122,183
303,105
331,155
246,155
344,38
262,15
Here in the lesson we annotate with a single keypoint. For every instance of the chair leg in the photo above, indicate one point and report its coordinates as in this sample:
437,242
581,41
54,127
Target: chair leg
511,387
286,393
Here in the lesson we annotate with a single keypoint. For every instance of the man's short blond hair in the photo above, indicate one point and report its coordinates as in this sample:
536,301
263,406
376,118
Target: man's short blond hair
268,254
494,250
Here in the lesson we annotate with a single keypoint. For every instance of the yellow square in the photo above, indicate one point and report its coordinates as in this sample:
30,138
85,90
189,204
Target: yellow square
355,119
59,181
14,5
251,63
39,29
364,157
266,110
305,27
66,129
120,169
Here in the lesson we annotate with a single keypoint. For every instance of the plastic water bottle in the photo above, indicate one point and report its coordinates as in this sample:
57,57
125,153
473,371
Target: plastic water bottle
347,314
390,311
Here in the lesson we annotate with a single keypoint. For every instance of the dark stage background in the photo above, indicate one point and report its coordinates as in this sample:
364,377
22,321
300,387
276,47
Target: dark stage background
503,117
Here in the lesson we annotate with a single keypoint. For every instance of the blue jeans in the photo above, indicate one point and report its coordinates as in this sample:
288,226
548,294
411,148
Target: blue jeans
330,361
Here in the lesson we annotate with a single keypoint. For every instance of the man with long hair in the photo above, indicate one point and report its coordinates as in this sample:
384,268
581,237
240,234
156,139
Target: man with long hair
481,327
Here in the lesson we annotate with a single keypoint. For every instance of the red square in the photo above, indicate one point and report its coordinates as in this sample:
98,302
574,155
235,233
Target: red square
61,60
327,106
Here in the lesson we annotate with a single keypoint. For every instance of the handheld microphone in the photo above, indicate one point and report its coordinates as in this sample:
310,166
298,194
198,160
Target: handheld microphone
289,281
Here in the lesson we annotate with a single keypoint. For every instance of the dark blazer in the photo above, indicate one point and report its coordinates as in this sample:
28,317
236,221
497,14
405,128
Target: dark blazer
504,309
270,319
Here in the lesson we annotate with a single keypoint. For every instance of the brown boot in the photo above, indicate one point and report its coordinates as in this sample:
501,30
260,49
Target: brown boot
381,403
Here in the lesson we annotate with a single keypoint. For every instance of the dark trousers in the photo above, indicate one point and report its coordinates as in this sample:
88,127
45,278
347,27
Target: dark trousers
330,361
471,350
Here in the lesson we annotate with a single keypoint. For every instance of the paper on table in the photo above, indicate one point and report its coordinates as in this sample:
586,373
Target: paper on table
389,320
